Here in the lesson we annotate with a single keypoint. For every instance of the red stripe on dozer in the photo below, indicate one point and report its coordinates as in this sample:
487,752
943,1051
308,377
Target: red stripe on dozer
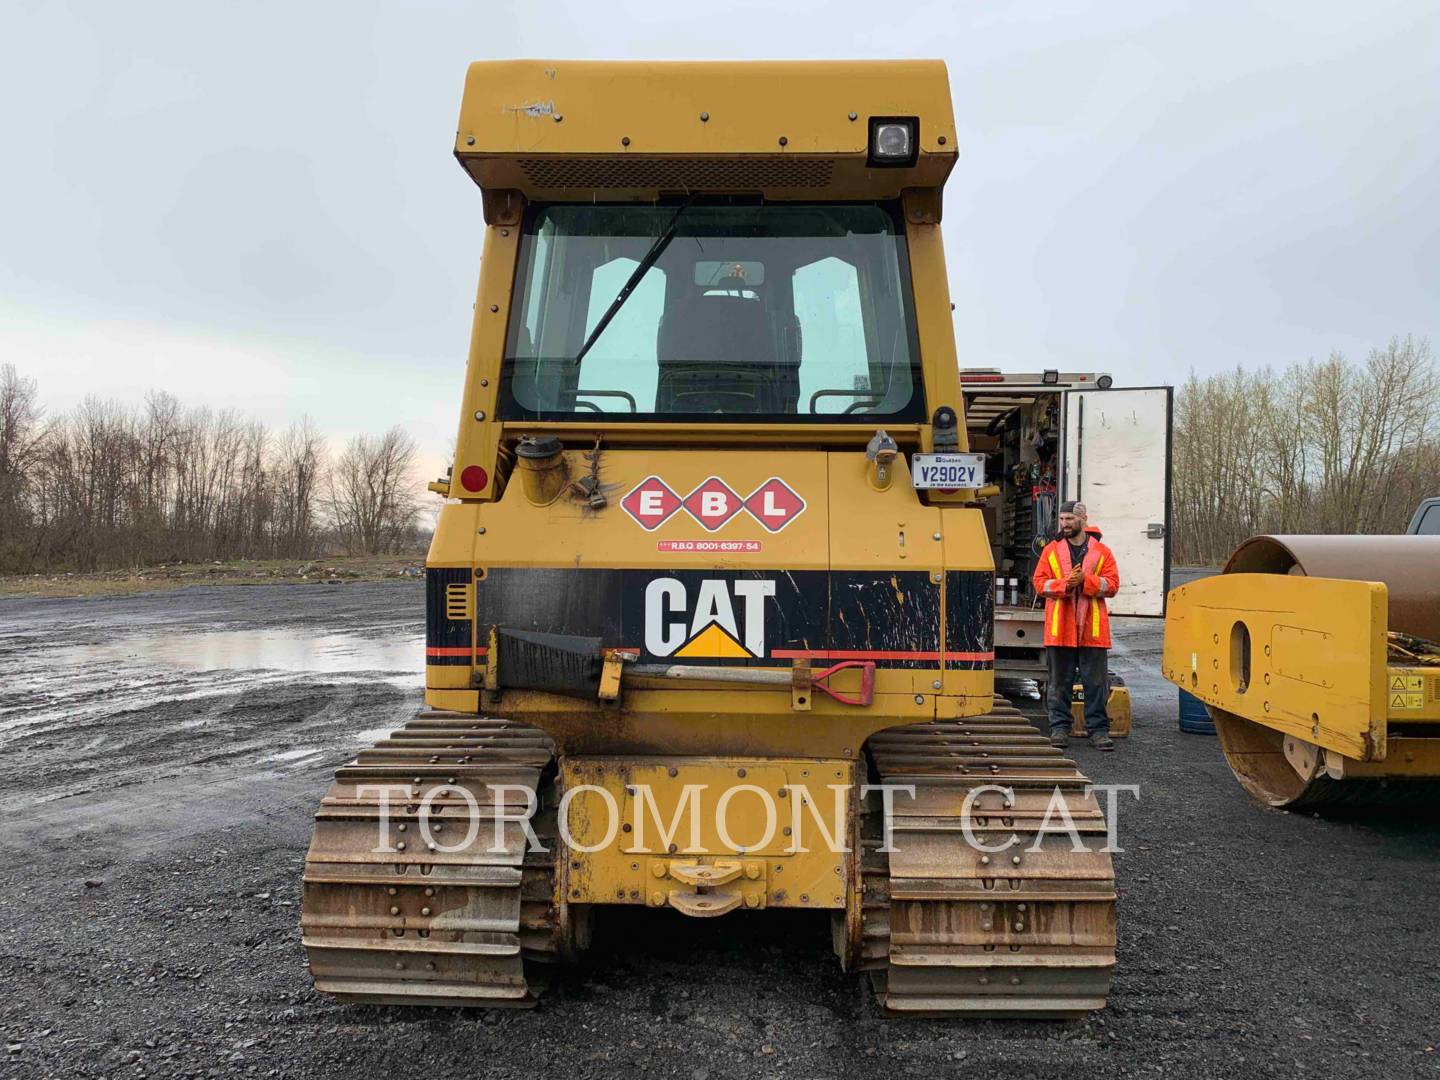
882,654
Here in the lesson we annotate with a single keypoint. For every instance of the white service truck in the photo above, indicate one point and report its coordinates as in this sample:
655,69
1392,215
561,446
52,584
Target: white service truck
1052,436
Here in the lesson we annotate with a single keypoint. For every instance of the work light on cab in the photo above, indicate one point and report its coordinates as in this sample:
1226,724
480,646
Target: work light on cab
892,141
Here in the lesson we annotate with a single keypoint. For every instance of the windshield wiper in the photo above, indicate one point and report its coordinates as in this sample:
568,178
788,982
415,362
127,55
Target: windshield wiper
650,258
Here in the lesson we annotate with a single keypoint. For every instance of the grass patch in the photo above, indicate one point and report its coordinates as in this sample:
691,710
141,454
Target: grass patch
239,572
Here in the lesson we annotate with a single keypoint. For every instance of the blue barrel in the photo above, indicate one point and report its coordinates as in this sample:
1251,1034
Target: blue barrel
1194,718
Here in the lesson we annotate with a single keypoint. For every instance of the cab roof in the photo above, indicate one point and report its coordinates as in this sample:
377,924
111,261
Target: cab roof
567,130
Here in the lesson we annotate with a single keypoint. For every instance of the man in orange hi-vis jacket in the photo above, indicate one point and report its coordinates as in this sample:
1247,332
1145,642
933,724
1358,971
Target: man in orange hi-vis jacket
1075,573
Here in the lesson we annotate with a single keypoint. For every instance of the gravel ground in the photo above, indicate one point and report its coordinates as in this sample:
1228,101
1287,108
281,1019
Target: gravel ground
163,754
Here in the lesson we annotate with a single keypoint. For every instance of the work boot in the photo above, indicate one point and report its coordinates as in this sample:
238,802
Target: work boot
1101,741
1059,737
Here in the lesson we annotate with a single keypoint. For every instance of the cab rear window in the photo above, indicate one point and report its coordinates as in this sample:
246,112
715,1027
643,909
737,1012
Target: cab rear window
776,311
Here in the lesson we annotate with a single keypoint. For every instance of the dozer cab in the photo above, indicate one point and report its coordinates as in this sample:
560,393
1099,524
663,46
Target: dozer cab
710,599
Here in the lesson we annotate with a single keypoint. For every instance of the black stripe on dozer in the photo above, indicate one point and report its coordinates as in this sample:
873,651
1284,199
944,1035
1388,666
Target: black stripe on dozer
811,610
441,631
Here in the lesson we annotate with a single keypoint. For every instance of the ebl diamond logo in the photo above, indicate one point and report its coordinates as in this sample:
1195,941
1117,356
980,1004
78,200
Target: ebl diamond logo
775,504
650,503
712,504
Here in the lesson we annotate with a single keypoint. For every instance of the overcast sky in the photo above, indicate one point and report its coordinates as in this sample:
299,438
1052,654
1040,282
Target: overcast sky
255,204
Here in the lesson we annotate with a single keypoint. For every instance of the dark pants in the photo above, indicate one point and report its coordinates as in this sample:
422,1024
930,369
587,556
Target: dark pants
1093,670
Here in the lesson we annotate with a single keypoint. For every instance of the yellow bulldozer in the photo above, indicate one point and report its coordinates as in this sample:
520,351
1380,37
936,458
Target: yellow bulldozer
1318,658
709,614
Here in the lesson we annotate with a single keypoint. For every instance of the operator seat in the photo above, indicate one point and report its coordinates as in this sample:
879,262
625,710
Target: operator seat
716,353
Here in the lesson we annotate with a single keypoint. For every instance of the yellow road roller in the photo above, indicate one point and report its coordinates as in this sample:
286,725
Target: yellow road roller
709,614
1318,658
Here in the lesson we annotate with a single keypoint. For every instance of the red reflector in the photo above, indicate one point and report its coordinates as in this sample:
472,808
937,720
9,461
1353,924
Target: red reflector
474,478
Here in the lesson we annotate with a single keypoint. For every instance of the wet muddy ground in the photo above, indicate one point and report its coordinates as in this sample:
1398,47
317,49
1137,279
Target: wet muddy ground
161,755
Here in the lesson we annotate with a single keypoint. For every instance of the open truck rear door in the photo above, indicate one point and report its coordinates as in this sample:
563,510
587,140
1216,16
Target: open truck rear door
1116,460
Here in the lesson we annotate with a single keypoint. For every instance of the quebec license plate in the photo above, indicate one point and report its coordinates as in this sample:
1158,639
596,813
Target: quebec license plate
948,470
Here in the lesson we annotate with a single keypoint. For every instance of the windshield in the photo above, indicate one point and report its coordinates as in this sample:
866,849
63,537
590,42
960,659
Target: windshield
752,311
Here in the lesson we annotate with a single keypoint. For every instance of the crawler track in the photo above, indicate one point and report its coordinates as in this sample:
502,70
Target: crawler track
416,926
948,929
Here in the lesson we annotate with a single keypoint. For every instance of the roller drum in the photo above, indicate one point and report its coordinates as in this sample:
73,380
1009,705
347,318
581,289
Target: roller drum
1409,568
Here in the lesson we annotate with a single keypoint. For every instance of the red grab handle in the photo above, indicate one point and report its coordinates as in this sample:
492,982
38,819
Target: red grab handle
867,682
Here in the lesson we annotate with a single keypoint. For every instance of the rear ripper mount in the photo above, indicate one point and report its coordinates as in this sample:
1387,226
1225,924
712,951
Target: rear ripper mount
941,927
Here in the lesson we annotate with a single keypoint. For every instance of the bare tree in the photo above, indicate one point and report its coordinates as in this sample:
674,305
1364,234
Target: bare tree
1283,449
107,485
22,444
296,476
157,432
371,493
1322,447
1219,493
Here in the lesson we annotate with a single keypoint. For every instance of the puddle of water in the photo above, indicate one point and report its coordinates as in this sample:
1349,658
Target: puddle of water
273,650
73,682
295,755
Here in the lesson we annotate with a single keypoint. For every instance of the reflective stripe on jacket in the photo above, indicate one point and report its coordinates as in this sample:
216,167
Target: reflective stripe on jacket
1077,617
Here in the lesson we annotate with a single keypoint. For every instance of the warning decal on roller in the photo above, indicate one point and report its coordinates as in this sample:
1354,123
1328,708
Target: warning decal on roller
1407,692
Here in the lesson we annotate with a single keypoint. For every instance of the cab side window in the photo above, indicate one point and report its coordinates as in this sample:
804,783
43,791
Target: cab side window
618,374
833,358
